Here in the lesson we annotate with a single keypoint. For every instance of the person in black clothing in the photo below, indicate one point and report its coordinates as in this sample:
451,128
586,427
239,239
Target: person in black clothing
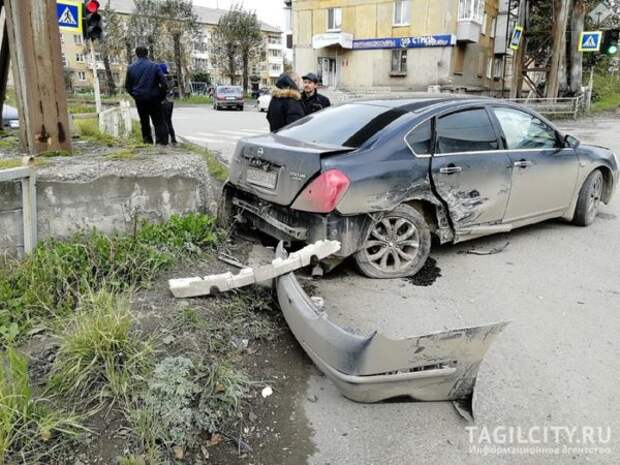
311,99
285,106
146,83
168,108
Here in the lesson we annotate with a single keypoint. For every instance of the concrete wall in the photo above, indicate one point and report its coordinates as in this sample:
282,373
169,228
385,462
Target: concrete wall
80,195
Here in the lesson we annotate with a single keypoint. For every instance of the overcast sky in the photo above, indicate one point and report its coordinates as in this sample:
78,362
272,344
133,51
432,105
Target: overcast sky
269,11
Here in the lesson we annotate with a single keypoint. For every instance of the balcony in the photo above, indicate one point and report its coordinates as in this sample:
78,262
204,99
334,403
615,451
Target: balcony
469,25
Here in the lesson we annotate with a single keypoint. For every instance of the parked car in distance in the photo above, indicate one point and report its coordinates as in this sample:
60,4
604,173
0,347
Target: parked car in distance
10,118
262,103
384,176
228,97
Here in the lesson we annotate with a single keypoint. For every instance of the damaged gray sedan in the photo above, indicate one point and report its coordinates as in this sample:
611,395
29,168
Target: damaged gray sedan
384,176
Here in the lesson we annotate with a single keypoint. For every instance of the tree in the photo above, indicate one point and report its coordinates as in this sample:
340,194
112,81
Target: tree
250,42
144,28
113,44
237,43
181,24
224,47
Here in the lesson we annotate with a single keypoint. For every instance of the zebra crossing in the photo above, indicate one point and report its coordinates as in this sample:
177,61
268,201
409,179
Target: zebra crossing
223,137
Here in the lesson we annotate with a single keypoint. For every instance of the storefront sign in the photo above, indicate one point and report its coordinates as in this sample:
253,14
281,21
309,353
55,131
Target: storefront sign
332,38
438,40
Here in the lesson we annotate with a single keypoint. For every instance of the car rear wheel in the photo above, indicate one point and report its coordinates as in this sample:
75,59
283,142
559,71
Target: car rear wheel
396,246
589,201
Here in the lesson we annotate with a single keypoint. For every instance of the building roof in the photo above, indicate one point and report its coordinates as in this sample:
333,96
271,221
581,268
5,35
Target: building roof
205,15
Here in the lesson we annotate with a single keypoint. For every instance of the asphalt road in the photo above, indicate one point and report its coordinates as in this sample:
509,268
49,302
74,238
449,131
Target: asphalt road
557,365
218,130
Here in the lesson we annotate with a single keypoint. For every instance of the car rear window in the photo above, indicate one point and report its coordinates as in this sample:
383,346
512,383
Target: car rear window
229,90
348,125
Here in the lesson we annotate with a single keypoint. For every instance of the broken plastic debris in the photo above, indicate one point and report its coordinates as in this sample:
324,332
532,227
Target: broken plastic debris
194,287
267,392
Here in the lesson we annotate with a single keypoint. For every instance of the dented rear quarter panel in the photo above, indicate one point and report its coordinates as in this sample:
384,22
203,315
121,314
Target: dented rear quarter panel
383,172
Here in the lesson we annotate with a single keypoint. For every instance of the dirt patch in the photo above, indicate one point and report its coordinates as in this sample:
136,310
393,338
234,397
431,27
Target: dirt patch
247,328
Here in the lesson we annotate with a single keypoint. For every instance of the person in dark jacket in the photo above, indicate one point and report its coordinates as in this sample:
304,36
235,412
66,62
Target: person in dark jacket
285,106
146,83
311,99
168,108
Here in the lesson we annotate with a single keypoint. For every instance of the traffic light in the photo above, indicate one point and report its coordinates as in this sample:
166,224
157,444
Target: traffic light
93,22
611,37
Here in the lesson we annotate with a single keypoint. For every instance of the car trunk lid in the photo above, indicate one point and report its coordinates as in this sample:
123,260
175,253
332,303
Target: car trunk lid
277,168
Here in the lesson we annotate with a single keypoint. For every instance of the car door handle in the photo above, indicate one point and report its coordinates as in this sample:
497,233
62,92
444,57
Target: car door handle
450,169
522,163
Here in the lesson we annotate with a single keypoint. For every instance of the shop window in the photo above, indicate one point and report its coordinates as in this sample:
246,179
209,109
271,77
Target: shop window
399,62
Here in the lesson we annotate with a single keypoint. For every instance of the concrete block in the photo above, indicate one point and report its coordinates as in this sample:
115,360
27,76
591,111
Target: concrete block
195,287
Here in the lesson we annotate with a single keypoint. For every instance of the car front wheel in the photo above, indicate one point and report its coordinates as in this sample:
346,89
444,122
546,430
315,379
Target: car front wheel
589,201
396,246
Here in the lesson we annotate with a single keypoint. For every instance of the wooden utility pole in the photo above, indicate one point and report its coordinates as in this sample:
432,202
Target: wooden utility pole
34,43
518,56
577,27
558,50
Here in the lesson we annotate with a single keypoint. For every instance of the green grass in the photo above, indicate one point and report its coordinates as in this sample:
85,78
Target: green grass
124,154
77,108
607,103
9,143
606,94
216,168
100,359
196,100
29,427
50,282
17,162
88,129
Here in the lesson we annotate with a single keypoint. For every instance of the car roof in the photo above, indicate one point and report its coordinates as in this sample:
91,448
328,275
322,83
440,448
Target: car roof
423,101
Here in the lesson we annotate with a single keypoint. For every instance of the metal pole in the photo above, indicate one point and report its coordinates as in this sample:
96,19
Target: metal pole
95,77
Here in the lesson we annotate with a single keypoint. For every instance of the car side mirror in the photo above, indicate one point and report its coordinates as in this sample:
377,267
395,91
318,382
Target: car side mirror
571,141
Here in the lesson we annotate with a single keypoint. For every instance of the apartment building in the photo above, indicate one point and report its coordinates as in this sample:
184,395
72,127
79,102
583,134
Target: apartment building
76,58
459,45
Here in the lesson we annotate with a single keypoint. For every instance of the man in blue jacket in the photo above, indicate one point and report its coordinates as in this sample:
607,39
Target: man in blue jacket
147,85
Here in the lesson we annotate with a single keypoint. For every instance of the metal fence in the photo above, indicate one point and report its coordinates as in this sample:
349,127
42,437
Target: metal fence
570,106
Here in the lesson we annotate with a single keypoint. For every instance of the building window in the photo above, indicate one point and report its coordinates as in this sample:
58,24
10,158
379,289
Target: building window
81,76
275,53
276,68
490,68
77,39
275,40
79,57
334,19
471,10
493,26
399,61
402,12
64,60
498,68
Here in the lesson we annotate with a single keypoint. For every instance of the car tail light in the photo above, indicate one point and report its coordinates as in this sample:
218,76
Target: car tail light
323,194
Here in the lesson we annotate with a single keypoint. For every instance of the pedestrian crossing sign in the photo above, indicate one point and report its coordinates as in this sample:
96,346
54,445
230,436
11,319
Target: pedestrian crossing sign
590,41
69,15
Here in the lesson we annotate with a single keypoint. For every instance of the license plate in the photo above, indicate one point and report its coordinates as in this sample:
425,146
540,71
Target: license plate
262,178
230,98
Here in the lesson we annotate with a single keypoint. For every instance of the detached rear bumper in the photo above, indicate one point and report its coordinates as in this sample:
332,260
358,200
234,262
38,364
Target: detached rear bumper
440,366
286,224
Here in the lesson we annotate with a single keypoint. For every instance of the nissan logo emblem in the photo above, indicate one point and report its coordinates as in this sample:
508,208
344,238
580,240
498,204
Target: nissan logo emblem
260,152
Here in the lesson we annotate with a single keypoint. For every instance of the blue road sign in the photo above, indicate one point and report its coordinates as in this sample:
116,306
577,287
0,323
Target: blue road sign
69,15
590,41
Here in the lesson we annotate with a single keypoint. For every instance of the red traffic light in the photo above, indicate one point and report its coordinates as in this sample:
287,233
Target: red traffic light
92,6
